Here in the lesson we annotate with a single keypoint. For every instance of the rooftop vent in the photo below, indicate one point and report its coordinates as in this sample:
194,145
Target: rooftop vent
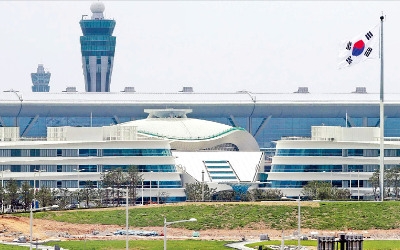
129,89
187,90
360,90
302,90
70,89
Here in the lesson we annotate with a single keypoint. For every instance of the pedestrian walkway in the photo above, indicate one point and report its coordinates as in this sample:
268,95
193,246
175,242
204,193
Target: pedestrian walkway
241,245
41,247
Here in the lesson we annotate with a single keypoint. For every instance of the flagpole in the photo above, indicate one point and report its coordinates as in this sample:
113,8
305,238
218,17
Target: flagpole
382,121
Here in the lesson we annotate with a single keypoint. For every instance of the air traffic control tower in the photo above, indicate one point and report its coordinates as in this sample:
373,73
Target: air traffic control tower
40,80
98,49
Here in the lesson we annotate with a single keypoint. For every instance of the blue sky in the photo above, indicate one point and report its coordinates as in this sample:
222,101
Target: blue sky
213,46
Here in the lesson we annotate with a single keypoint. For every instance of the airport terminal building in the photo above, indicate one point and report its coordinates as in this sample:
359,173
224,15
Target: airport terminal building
267,117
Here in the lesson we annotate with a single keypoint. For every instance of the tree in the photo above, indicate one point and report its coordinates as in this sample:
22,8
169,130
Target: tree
134,179
340,194
88,193
225,195
392,180
12,194
374,180
27,195
63,195
115,180
265,194
194,191
44,196
2,198
320,190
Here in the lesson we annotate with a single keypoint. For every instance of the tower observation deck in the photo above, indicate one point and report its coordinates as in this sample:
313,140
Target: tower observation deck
98,49
40,80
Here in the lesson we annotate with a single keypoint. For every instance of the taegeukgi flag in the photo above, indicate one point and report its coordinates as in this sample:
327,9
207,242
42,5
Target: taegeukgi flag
360,48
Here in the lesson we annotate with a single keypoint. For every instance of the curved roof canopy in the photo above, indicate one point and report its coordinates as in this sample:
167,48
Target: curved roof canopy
192,134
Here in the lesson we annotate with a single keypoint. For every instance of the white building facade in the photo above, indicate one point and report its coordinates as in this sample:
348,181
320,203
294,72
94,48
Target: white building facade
344,156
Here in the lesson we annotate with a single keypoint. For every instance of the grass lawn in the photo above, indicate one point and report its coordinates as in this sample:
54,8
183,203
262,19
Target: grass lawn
9,247
141,244
319,216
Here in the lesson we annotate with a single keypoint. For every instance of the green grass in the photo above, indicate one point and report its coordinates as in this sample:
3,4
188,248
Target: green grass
141,244
326,216
367,245
9,247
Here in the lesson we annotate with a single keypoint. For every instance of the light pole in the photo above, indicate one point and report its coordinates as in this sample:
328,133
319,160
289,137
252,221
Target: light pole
2,186
150,200
358,185
158,190
32,206
202,185
166,223
142,192
350,184
78,170
127,217
78,193
299,223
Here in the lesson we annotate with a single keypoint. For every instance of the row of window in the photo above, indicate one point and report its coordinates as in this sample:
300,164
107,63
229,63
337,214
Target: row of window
82,152
94,184
337,152
98,38
323,168
100,23
334,183
86,168
95,46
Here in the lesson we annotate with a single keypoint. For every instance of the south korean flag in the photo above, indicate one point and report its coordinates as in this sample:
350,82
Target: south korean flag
360,48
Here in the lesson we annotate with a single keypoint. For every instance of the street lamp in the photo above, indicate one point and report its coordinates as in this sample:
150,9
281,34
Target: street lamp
78,170
299,223
358,185
350,185
33,204
142,192
202,185
151,175
2,186
166,223
127,217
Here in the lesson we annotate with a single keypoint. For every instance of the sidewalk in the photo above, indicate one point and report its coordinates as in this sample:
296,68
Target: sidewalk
42,247
241,244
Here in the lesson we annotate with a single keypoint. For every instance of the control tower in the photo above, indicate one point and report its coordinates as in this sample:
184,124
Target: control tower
40,80
98,49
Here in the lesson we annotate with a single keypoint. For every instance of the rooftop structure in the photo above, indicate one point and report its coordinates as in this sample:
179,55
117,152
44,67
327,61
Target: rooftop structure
98,49
40,80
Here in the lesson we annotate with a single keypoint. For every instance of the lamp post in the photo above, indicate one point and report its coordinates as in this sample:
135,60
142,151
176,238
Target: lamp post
299,223
358,185
150,200
2,186
79,170
166,223
158,190
32,206
142,193
202,185
127,217
350,184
